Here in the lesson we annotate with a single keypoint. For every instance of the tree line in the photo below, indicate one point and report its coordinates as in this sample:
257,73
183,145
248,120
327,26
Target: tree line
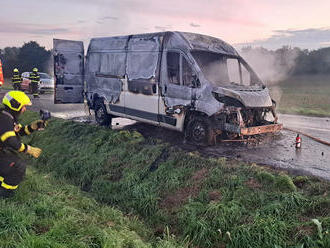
292,61
25,58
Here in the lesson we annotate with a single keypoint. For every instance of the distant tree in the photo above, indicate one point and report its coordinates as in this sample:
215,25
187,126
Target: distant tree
303,64
9,60
33,55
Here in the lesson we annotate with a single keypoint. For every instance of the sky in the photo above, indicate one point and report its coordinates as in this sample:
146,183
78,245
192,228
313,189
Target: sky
268,23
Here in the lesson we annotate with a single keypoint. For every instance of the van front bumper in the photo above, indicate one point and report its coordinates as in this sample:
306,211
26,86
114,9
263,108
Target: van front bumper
272,128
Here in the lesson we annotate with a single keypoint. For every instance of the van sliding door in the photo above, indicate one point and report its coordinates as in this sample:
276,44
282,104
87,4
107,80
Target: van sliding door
141,97
68,71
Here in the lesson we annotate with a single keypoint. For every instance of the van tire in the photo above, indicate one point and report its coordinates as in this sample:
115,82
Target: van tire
199,131
101,115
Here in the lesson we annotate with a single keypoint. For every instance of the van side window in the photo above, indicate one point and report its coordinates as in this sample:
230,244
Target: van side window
187,79
173,67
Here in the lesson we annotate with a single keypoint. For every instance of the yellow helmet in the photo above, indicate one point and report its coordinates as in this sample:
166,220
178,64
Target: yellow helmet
15,100
15,70
35,69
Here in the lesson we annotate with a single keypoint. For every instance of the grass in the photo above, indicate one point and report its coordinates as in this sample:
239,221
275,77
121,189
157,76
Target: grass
49,212
204,202
304,95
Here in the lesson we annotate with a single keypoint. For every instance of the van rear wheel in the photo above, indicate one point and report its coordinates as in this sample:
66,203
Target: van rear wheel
199,131
101,115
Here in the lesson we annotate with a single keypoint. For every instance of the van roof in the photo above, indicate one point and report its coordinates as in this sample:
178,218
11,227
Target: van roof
191,41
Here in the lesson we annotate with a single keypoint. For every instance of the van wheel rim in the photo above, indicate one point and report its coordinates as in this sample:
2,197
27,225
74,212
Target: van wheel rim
100,114
198,132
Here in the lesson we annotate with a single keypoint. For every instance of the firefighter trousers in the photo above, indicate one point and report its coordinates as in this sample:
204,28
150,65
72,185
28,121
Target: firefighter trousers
35,88
12,171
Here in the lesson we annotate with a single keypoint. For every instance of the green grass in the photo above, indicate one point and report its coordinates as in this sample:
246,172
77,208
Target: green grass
48,212
204,202
305,95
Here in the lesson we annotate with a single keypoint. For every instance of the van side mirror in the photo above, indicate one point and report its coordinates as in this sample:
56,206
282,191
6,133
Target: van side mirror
195,81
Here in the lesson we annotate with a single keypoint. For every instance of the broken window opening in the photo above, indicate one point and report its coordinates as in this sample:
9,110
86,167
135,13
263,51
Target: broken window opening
179,70
187,78
173,67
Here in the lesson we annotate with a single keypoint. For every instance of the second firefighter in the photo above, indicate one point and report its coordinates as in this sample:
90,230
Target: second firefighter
35,81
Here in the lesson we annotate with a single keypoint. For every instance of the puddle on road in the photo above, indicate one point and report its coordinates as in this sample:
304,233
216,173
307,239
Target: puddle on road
275,150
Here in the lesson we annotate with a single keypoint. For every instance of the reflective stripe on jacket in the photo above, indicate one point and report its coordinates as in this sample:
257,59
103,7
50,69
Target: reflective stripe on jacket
34,77
10,132
16,78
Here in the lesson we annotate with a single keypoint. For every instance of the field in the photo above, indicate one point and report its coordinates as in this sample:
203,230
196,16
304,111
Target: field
305,95
168,197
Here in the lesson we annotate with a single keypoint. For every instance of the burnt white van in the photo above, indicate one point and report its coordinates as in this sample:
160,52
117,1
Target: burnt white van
188,82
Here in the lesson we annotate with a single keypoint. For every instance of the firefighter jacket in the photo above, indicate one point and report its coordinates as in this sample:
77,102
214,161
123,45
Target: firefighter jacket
16,78
34,77
10,132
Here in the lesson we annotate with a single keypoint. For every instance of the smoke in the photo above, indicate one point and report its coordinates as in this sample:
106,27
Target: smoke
50,65
271,66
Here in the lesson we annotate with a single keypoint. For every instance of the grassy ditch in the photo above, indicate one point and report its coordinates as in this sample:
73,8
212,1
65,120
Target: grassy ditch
205,202
305,95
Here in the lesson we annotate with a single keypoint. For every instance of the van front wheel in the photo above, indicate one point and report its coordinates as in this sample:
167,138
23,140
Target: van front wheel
101,115
199,131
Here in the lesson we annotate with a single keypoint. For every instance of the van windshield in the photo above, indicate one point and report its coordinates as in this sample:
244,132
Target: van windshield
221,70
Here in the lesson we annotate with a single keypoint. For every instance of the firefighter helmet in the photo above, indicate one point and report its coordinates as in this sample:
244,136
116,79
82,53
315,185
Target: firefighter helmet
15,70
35,70
15,100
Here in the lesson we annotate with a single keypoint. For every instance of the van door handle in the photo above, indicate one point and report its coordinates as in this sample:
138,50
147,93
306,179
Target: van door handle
165,89
154,89
68,88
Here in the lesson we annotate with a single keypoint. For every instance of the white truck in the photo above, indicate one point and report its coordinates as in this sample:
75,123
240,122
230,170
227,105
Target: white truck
188,82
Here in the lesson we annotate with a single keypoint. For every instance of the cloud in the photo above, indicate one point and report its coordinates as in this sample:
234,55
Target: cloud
101,20
163,28
109,18
194,25
34,29
305,38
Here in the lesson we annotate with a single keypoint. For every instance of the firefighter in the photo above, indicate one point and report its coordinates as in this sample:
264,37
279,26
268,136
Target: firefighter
16,79
12,168
35,80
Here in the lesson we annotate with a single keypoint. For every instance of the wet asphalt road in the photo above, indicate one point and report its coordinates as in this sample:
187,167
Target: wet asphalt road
277,151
